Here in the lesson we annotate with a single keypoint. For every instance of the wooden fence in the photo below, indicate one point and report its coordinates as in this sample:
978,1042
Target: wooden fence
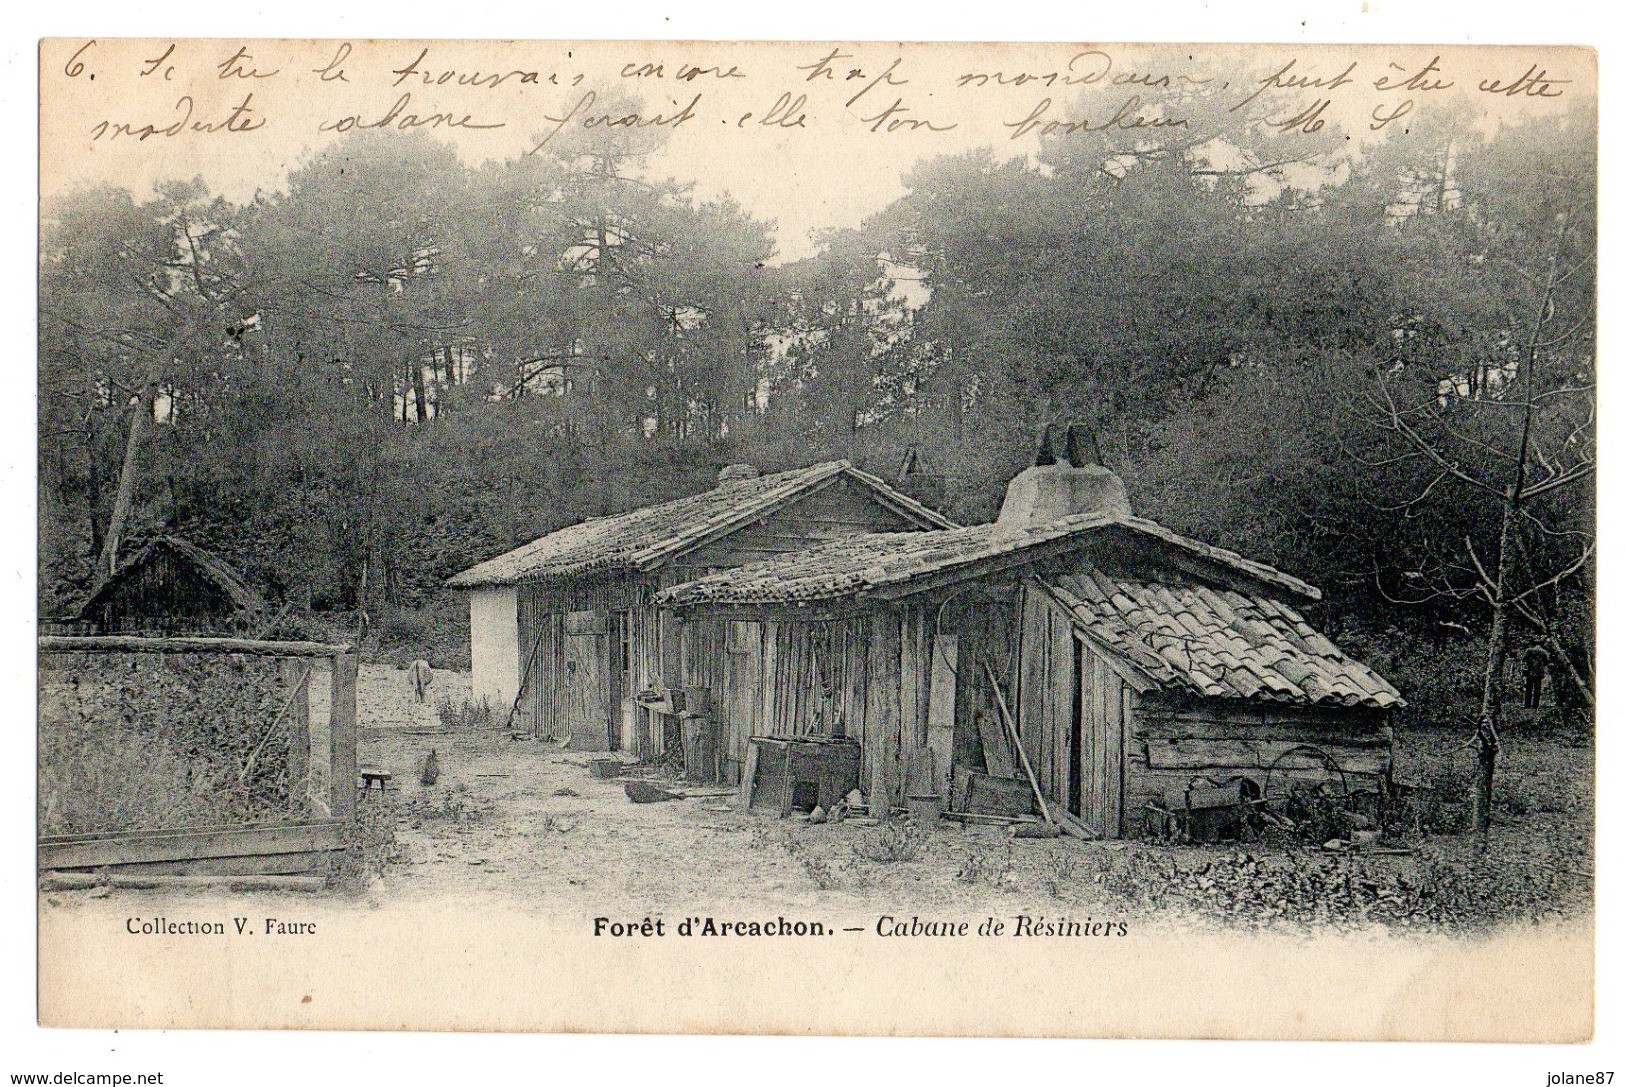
261,849
323,772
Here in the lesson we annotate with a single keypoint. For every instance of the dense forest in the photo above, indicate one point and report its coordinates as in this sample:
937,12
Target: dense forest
1374,369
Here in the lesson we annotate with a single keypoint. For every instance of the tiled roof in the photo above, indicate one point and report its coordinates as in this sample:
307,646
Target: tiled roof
643,537
890,564
1218,642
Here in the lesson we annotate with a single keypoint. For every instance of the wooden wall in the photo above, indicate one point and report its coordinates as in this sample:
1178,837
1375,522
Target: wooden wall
1099,747
165,595
1176,739
791,679
987,630
1076,712
542,611
1102,749
874,677
841,509
698,652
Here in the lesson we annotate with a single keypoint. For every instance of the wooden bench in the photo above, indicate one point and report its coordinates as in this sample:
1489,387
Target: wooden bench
369,775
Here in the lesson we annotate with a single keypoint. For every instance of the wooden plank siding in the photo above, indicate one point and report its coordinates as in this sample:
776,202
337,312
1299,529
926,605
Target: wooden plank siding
1176,740
834,512
664,651
544,647
164,594
987,631
1073,708
1048,702
1081,718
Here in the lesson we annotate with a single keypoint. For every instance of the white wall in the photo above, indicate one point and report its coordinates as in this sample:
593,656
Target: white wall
493,636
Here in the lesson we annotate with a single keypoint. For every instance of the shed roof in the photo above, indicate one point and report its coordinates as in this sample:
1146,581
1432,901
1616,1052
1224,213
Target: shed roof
1215,642
209,566
643,538
892,564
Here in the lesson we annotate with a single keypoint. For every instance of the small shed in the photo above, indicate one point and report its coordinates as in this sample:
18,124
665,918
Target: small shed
565,629
1133,663
170,586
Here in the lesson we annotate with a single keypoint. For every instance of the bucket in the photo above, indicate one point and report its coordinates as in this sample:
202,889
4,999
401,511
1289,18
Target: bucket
697,699
925,808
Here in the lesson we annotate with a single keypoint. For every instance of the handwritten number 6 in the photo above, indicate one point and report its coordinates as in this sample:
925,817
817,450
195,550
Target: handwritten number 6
75,67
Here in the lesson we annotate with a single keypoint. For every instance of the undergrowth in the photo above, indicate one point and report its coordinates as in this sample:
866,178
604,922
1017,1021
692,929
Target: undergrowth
895,840
1446,885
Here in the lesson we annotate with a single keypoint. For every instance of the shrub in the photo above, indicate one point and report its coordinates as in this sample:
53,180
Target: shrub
370,845
97,779
1441,678
1060,871
447,804
465,714
820,872
989,864
436,632
149,742
896,840
1450,886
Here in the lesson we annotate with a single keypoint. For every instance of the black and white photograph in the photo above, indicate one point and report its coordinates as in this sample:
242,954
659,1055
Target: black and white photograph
845,537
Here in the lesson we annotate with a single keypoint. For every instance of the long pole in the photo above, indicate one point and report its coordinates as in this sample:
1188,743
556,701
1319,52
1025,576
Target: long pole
1021,752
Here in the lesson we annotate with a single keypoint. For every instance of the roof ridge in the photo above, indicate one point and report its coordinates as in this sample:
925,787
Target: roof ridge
1260,570
693,519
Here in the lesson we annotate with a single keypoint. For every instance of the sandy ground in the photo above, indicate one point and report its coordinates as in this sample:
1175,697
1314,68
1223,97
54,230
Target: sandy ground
526,822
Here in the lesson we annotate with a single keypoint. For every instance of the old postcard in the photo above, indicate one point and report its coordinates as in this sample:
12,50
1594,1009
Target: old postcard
817,538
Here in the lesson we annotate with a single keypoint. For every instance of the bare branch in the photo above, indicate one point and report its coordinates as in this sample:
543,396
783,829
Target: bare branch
1573,475
1568,571
1427,449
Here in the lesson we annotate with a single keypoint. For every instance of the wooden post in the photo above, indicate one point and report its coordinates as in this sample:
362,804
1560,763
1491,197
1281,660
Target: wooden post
939,727
909,727
882,738
293,671
747,779
342,738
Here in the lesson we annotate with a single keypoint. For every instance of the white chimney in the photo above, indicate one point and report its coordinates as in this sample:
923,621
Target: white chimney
1067,480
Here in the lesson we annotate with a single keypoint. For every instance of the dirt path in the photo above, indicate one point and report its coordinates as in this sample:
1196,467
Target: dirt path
526,822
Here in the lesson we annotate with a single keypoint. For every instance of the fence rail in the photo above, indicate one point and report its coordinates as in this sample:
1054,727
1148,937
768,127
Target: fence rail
132,643
262,849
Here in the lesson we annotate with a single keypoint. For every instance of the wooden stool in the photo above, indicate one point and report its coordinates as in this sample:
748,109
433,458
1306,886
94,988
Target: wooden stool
382,777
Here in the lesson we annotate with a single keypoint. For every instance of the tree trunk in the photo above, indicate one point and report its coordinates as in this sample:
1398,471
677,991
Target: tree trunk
93,485
124,499
420,394
1488,737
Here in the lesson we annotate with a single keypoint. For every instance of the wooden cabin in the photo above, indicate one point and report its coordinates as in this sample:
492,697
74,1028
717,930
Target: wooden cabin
1134,664
170,586
565,630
